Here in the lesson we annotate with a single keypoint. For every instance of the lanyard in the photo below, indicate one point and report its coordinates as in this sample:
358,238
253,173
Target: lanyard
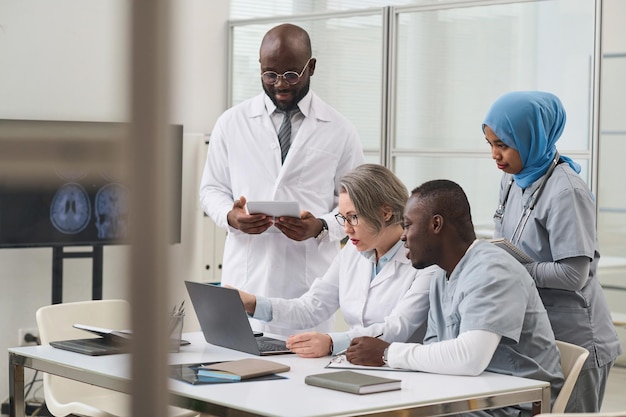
529,206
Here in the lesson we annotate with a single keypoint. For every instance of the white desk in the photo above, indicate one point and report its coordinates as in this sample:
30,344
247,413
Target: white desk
619,319
422,394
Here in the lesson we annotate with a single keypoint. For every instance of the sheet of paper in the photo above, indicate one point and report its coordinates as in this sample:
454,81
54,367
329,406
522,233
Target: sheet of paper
340,362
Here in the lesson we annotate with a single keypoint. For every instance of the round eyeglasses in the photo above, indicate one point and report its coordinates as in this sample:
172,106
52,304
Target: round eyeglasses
352,219
292,77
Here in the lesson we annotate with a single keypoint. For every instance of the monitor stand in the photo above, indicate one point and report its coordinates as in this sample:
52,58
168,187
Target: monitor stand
59,255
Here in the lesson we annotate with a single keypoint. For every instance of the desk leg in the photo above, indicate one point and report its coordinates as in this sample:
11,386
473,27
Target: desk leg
544,405
16,388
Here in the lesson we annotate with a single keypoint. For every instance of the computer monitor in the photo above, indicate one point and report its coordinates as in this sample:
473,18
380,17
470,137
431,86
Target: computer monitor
88,207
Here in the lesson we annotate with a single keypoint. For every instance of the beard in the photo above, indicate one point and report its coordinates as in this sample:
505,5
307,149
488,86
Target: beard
270,90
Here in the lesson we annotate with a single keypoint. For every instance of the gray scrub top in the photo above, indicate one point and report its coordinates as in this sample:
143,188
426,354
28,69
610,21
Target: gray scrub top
489,290
563,225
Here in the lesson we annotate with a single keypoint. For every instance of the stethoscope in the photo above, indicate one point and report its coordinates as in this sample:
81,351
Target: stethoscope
530,204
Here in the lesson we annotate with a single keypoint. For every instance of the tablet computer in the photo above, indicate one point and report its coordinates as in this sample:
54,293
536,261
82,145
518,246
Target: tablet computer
274,208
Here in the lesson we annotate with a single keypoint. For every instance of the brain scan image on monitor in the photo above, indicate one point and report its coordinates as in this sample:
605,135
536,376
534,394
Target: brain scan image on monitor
80,204
70,210
112,211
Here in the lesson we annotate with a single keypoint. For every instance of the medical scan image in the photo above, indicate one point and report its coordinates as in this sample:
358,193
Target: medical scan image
112,211
70,209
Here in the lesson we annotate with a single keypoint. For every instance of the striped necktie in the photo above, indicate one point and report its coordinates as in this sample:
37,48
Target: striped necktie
284,134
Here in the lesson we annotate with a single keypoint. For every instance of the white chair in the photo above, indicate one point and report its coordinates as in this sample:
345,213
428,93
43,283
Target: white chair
64,396
572,360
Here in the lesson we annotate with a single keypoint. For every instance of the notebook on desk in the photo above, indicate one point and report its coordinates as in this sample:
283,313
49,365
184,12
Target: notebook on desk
224,321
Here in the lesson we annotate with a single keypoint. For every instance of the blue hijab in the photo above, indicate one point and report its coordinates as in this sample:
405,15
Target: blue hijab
530,122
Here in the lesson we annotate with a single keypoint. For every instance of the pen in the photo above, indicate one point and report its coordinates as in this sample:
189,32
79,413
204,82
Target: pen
343,352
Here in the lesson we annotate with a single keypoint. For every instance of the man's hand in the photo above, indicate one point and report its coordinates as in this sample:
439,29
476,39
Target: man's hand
306,227
252,224
366,351
309,345
248,300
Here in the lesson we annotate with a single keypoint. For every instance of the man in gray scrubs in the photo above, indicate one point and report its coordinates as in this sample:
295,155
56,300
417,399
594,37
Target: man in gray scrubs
485,313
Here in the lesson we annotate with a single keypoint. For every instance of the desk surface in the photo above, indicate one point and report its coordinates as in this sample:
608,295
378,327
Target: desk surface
619,319
422,393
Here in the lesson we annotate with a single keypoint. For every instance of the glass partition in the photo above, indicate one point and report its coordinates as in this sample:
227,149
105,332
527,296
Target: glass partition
448,61
453,61
611,172
475,175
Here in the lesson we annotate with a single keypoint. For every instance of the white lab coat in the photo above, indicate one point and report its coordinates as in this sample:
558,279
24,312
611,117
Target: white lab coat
244,159
394,304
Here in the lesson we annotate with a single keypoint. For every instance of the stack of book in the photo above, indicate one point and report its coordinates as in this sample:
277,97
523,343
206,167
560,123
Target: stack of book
239,370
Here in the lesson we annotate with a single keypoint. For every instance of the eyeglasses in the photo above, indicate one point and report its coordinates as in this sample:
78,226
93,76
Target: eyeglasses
292,77
352,219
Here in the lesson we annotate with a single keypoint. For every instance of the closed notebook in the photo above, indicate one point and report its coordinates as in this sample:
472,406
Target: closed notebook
353,382
241,369
207,375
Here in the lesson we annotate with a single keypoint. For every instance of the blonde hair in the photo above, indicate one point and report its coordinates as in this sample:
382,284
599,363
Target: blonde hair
372,187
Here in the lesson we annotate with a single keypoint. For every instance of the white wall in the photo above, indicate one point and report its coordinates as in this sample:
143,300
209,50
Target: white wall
68,60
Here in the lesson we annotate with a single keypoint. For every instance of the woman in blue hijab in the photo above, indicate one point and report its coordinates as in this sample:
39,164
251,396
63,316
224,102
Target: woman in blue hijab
547,211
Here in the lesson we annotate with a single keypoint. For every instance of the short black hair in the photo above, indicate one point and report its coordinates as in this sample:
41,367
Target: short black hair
447,198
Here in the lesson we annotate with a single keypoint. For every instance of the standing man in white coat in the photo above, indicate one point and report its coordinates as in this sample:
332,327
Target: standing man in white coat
285,144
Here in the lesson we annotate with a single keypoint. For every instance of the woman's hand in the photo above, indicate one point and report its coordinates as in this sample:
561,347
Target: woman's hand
310,345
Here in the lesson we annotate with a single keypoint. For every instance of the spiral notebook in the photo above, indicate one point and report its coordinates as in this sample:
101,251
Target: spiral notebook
513,250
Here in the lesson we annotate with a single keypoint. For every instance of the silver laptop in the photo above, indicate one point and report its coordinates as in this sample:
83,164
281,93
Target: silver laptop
109,343
224,321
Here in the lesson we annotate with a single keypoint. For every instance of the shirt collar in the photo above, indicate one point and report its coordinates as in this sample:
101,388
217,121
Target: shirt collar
371,254
469,248
304,105
472,245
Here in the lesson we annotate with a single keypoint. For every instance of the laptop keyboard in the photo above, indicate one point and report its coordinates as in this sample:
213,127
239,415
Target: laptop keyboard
92,346
86,345
270,346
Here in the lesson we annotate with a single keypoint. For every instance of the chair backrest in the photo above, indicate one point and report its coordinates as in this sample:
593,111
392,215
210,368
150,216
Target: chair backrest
572,359
66,397
54,322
